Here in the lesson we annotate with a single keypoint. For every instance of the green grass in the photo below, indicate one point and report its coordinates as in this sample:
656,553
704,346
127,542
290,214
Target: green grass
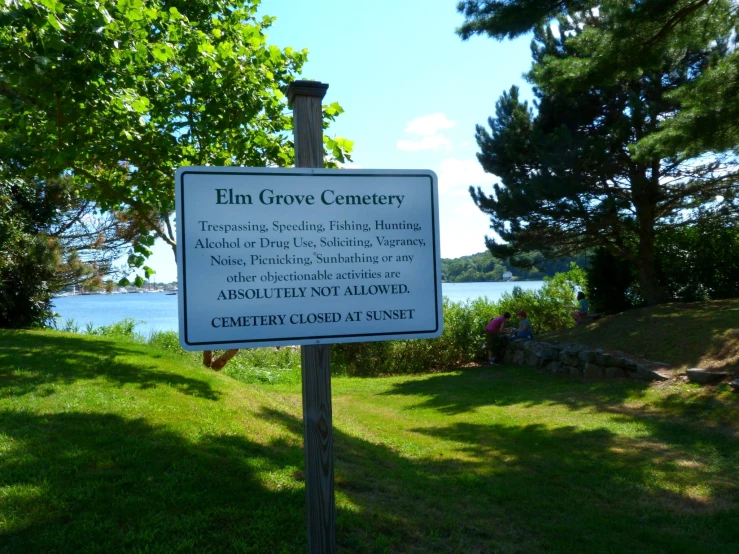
696,334
112,446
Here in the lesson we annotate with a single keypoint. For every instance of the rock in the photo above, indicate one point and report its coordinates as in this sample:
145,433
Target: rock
532,359
517,344
644,373
575,371
554,367
564,358
659,365
518,358
615,372
508,356
703,376
529,345
734,385
587,356
548,353
592,370
574,348
627,363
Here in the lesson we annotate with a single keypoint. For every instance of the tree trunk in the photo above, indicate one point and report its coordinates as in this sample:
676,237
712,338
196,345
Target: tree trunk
645,197
649,284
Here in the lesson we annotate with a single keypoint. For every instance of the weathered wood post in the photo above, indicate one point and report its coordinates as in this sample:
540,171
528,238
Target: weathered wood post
305,98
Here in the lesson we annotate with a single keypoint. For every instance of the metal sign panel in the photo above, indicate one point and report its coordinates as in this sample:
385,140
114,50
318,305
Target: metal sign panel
272,257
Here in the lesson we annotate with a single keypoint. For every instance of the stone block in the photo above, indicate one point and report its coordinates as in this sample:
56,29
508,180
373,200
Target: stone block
614,372
593,371
516,344
554,367
704,376
574,348
530,345
645,374
587,356
508,356
627,364
548,353
659,366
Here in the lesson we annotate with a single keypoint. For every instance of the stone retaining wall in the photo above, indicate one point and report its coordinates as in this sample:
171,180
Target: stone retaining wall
577,360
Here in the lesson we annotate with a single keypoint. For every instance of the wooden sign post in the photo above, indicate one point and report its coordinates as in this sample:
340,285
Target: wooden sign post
305,98
272,256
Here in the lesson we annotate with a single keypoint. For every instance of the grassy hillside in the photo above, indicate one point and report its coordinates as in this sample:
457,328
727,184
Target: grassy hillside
697,334
110,446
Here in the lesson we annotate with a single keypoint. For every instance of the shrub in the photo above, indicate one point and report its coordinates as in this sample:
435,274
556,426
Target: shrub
461,343
124,328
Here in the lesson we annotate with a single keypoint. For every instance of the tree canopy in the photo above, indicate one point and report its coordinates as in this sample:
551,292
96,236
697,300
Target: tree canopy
483,267
116,95
589,166
624,40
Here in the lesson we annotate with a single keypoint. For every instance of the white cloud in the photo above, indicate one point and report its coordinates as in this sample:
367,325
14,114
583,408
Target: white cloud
427,127
429,124
430,142
456,176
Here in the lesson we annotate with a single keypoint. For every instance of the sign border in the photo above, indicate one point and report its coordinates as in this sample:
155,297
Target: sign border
180,175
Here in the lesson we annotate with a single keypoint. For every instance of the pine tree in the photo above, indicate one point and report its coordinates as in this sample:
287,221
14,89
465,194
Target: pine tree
577,172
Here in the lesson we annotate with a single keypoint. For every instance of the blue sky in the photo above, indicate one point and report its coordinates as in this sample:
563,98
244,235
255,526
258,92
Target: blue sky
412,90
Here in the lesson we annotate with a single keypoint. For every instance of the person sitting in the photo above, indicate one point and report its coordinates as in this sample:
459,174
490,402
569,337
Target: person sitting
582,308
524,330
493,332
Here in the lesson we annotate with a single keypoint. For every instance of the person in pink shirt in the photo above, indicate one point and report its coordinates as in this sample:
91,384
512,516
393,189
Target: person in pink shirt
493,332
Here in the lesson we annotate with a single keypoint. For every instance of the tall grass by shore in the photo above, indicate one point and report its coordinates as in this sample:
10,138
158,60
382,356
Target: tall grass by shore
461,343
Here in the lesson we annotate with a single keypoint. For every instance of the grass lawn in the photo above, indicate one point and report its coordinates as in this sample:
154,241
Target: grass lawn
112,446
695,334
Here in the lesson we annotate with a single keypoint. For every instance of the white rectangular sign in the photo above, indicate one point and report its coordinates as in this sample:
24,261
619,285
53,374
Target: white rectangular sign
306,256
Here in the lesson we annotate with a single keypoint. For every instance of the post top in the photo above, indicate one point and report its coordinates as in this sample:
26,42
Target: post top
306,88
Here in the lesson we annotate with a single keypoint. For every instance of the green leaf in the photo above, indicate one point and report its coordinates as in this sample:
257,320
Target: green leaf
161,52
139,281
148,271
54,22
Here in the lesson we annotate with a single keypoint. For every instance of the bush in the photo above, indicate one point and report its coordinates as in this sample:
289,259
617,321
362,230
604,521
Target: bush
548,308
124,329
463,339
701,261
461,343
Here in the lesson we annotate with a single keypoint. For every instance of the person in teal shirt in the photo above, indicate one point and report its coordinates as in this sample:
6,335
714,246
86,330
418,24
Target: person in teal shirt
582,308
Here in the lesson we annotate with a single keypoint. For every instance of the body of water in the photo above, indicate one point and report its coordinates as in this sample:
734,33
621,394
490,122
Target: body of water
157,311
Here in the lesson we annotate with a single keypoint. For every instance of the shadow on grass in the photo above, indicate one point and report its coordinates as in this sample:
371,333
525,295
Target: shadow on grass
698,334
32,363
466,390
80,482
533,489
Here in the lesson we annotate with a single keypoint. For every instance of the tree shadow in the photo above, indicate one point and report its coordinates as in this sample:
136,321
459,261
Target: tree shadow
80,482
531,488
460,391
33,364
